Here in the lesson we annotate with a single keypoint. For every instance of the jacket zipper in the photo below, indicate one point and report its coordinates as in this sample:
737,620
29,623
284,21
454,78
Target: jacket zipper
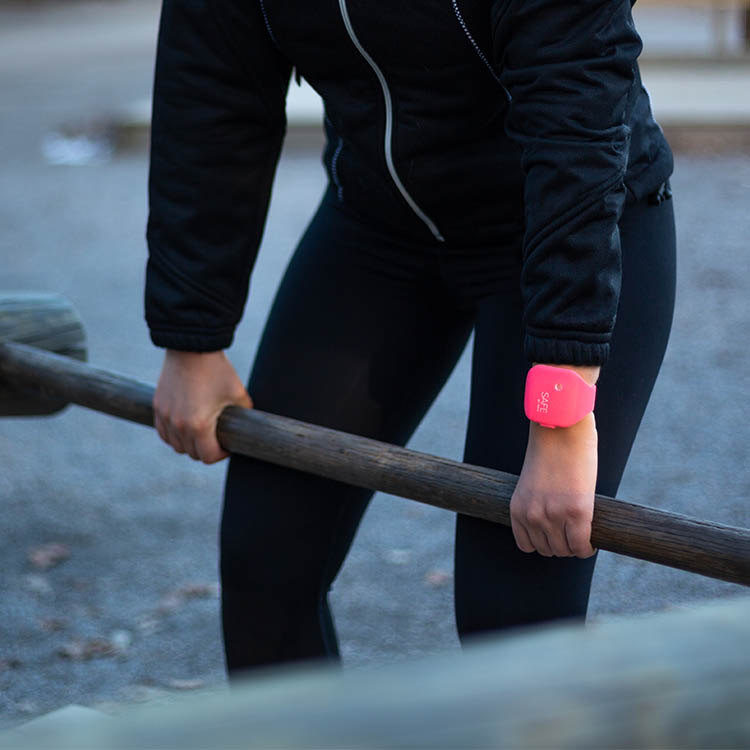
477,49
388,126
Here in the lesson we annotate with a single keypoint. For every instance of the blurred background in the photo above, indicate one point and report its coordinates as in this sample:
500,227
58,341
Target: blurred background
109,586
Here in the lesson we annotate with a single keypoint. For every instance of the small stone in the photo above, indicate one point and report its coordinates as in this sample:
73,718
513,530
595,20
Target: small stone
148,624
143,693
398,556
185,684
121,641
38,584
53,624
11,663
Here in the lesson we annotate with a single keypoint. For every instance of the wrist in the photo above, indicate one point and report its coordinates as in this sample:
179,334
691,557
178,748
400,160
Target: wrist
185,356
581,432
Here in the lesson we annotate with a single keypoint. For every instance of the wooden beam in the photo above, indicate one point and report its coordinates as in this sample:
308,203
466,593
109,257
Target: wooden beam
677,679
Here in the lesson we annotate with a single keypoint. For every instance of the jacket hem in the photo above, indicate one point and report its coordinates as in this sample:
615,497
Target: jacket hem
565,351
191,341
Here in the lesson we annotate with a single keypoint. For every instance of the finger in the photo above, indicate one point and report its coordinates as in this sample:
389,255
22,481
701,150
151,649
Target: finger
539,540
579,538
558,541
209,449
521,535
190,447
160,429
190,437
174,437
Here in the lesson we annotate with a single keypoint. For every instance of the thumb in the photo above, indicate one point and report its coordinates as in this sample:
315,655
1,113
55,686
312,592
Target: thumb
246,401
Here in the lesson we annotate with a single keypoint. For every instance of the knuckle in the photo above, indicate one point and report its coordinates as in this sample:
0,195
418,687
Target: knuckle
557,513
577,510
200,425
535,515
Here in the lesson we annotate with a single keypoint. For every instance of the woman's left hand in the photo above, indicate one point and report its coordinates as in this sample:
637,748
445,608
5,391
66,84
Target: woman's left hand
553,503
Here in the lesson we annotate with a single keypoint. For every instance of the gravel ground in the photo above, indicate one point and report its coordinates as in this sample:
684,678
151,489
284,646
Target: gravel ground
132,613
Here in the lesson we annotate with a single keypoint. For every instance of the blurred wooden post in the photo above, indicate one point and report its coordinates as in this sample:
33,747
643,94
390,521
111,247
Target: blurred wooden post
44,320
678,679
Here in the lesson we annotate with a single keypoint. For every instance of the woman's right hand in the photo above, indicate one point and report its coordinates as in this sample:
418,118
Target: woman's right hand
193,389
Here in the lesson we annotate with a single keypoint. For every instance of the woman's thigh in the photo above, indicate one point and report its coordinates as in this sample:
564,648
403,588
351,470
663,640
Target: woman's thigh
361,337
498,585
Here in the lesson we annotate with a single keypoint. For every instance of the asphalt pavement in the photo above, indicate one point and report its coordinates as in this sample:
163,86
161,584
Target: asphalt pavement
128,610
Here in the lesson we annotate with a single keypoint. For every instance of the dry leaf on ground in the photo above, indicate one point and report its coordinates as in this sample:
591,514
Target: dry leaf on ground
438,578
12,663
174,599
90,648
53,624
46,556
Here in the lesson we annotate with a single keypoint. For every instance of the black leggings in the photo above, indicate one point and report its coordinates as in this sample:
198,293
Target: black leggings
364,332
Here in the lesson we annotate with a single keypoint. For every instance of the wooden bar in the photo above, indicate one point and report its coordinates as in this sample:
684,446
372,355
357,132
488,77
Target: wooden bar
710,549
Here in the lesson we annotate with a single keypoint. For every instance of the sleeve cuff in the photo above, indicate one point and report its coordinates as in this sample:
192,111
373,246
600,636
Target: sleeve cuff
565,351
192,341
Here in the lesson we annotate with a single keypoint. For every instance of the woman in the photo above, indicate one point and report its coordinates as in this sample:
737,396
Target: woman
494,166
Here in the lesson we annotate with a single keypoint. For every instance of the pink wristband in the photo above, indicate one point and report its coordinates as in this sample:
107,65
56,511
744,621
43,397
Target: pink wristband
557,396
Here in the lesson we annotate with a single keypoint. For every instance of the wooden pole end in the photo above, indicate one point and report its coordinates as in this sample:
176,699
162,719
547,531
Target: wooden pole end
47,321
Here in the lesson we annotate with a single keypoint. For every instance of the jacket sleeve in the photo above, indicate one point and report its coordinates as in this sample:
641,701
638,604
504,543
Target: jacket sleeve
217,127
569,71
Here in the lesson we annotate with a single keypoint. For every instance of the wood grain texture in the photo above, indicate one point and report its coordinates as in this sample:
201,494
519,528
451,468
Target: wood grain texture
710,549
678,679
47,321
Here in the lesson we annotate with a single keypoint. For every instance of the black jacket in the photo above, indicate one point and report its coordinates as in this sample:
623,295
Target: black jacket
447,121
